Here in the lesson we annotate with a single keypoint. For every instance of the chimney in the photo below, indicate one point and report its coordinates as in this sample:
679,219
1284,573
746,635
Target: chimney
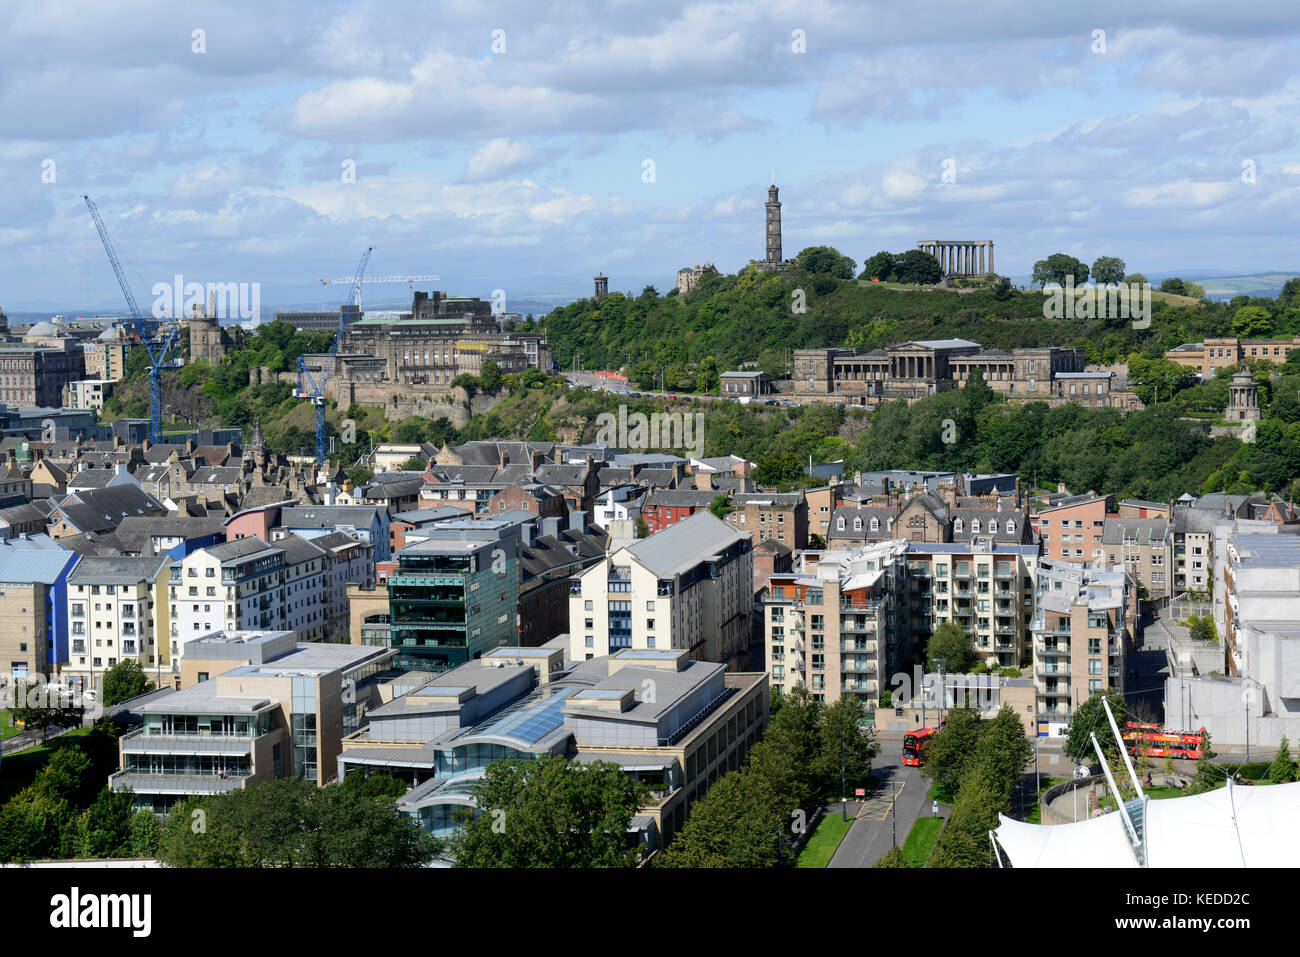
146,445
503,457
704,481
117,442
535,459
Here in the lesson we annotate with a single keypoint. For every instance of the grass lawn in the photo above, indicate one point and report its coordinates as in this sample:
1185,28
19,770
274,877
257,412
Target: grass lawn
821,846
7,729
17,770
921,839
941,793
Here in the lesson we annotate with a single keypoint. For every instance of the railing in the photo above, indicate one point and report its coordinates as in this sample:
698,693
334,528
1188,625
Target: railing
695,719
143,782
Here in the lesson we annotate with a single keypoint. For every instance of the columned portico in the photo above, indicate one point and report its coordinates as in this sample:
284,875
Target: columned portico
961,258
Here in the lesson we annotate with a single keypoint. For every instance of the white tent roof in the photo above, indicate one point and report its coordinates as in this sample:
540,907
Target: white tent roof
1234,826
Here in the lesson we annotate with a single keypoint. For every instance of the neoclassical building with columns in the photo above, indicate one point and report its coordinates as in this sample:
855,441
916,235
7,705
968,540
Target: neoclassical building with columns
961,257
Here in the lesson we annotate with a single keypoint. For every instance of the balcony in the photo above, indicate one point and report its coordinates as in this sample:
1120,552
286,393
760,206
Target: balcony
79,648
862,666
1054,652
1005,646
145,783
964,612
1005,630
1004,573
137,742
1050,668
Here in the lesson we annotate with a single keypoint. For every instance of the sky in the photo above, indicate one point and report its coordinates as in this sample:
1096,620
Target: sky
525,147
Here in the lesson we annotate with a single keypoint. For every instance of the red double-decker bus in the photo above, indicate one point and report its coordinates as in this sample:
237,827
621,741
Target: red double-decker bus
1156,742
915,744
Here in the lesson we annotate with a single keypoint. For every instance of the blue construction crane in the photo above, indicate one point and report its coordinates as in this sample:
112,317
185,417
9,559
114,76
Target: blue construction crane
155,358
314,389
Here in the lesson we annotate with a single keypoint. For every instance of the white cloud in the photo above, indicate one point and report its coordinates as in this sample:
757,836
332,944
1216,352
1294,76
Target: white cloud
500,156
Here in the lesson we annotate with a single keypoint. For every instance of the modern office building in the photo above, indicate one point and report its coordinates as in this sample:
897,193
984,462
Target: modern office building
451,600
252,706
689,587
667,721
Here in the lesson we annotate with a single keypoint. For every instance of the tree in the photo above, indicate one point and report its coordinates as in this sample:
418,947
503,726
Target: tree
1056,267
642,529
1283,769
1003,751
1090,718
123,681
104,829
1158,379
777,467
1252,322
953,748
964,840
34,826
1290,290
917,267
1136,279
951,645
291,822
1003,290
845,747
550,812
1108,269
880,266
894,857
826,259
1174,286
721,505
489,376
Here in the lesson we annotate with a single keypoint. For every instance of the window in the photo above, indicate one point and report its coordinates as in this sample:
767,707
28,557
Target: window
957,526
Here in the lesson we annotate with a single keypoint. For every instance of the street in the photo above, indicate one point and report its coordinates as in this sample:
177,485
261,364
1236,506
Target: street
871,835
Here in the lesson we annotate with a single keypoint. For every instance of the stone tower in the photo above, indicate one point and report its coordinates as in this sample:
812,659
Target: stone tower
773,226
1243,398
602,286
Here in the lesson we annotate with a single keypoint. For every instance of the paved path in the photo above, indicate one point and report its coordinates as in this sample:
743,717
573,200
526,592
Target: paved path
898,798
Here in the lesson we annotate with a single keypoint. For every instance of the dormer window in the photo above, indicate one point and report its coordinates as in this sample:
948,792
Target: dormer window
875,524
957,526
839,523
1011,526
993,526
974,526
857,524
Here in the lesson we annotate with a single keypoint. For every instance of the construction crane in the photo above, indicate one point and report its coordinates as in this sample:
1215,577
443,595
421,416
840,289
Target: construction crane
356,283
313,389
155,358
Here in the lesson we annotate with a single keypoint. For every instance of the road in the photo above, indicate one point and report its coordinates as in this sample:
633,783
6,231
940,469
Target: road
871,835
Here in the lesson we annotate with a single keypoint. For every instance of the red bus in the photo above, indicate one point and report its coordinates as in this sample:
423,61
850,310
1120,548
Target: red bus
1156,742
915,744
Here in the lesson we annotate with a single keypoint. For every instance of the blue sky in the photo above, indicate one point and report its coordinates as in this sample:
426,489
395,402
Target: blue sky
521,168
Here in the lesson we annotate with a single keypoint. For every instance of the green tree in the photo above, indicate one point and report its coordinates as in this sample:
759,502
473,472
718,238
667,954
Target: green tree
951,645
642,529
952,749
917,267
721,505
1003,750
880,266
489,376
1158,379
144,834
964,840
1090,718
894,857
1283,769
550,812
104,828
1108,269
777,467
1056,267
1174,286
123,681
845,747
34,826
1251,322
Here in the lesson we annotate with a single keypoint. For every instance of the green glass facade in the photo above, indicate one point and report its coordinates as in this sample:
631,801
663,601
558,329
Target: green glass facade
447,609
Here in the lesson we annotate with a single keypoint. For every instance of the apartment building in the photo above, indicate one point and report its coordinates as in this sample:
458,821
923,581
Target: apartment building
779,516
348,561
369,522
34,573
1143,546
117,611
244,585
1071,529
838,624
985,587
1192,534
440,733
252,707
690,586
1261,587
1084,620
665,507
